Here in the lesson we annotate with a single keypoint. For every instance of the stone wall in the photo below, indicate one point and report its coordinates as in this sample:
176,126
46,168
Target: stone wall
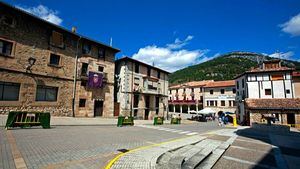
27,94
32,37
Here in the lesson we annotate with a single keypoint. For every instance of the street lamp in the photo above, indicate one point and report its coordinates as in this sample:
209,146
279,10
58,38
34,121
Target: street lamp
31,62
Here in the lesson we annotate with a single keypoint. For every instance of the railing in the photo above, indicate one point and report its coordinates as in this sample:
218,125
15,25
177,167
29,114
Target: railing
184,101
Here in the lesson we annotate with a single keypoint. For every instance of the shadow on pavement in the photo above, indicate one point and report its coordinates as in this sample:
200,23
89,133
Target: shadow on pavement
254,148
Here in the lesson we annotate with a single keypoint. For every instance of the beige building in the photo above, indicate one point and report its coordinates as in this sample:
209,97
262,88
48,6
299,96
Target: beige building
141,90
44,67
187,96
296,83
220,96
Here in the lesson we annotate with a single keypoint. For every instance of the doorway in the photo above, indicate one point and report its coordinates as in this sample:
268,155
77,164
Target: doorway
290,118
98,108
147,105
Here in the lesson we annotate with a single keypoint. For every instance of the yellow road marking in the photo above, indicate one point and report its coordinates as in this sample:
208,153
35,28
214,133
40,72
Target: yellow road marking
109,165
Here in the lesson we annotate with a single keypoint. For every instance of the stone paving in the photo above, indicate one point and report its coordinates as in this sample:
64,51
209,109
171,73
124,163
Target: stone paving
6,158
77,146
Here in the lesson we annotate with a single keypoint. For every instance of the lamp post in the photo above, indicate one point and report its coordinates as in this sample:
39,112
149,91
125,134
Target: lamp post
31,62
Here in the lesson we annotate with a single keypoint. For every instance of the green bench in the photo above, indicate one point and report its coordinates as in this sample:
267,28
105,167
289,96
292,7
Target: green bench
125,120
158,121
27,119
176,120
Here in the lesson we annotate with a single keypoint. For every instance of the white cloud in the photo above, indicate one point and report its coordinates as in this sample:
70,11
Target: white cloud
171,58
282,55
292,26
44,13
178,44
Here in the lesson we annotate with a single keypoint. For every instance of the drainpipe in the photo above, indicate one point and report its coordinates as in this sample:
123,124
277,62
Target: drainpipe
75,78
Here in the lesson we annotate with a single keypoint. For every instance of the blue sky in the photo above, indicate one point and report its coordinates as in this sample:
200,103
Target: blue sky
175,34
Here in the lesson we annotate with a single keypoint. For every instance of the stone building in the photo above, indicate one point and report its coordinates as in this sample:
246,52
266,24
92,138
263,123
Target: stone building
266,92
44,67
220,96
187,97
141,90
296,83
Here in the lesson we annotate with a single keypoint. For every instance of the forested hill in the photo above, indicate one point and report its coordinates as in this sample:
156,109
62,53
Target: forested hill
224,67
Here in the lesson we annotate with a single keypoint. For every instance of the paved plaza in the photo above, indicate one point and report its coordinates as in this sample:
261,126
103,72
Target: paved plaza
147,146
84,146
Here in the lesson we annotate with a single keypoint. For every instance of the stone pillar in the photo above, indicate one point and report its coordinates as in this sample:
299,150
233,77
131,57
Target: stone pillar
174,107
197,107
180,109
188,109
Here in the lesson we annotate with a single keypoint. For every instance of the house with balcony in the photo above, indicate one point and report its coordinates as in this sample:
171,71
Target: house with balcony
268,91
141,90
187,97
45,67
220,96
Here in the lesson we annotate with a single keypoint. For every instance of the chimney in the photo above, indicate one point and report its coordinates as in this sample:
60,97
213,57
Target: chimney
74,29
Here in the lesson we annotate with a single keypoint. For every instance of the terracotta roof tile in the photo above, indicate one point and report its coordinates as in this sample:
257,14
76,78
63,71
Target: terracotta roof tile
191,84
288,103
269,69
226,83
296,74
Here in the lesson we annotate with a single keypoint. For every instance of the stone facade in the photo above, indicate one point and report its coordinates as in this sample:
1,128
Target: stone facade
32,37
141,90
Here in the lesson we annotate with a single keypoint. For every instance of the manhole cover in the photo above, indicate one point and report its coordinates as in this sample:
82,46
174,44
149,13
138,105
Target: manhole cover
123,150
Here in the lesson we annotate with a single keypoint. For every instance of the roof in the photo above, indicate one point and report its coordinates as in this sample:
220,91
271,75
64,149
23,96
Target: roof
191,84
56,26
296,74
226,83
260,70
269,104
126,58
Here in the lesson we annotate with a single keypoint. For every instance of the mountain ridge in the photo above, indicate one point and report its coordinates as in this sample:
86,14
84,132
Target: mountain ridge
224,67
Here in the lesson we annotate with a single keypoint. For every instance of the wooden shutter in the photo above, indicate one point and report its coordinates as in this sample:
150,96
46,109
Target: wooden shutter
57,39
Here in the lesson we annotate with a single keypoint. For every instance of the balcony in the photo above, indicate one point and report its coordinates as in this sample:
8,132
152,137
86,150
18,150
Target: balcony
183,101
84,76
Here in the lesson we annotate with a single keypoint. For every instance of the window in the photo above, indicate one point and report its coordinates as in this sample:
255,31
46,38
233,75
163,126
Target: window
233,103
170,91
83,83
268,91
229,103
183,89
158,74
9,91
100,68
201,98
6,47
137,68
57,39
233,90
222,91
86,48
201,89
288,91
101,53
237,85
176,90
211,91
46,93
149,71
54,59
243,83
222,103
82,102
211,103
84,69
216,103
192,89
8,20
277,77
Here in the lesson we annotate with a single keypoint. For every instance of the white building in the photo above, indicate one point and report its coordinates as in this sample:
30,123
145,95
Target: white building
266,91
